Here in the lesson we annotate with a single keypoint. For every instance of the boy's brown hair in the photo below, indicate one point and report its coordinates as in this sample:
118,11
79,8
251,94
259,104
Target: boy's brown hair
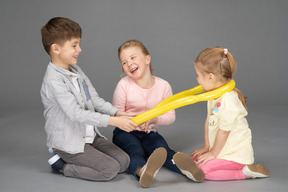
59,30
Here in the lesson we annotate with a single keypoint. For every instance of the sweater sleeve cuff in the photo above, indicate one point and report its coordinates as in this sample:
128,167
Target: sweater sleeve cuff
113,111
104,121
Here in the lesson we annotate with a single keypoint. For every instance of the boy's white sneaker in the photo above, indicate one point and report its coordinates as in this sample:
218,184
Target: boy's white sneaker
57,163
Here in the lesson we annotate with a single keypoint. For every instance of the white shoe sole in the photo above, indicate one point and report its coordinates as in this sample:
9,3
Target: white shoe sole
188,167
151,168
255,171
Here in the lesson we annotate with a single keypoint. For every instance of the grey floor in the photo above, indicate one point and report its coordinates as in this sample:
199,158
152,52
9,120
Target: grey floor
24,167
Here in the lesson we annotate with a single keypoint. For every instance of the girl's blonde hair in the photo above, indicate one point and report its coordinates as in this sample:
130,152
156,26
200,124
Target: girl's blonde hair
221,63
134,43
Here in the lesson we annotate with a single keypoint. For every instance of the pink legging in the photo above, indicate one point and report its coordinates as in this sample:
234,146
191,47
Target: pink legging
220,169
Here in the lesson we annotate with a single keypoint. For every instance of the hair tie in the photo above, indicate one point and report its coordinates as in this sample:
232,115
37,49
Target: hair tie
225,51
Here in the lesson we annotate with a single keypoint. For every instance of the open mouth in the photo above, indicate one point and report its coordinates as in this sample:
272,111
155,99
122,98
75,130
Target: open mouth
133,70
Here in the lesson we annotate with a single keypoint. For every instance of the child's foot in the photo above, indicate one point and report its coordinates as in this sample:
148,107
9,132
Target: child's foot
151,168
255,171
57,163
188,167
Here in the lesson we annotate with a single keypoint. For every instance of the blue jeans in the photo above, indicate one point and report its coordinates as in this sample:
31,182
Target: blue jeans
139,146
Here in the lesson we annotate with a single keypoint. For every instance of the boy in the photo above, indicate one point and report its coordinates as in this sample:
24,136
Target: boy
73,110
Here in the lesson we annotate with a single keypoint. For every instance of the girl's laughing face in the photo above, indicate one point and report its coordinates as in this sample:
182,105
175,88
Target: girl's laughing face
134,62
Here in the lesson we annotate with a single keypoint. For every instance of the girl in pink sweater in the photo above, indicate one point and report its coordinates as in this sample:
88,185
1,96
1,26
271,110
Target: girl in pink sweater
138,92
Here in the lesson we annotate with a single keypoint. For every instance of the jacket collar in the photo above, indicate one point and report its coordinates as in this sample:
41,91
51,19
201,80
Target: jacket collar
64,71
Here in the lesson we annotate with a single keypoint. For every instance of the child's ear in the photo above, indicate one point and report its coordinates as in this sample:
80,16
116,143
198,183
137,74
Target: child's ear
55,48
211,76
148,59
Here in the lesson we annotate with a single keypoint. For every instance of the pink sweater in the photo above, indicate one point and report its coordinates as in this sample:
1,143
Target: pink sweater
131,98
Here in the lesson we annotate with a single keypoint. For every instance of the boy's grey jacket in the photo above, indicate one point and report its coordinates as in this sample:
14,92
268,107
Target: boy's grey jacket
67,111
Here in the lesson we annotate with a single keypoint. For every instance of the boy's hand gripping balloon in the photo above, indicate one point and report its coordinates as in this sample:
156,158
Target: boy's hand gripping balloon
181,99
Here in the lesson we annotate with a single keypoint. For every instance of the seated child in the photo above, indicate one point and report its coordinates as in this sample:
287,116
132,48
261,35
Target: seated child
73,110
227,153
138,92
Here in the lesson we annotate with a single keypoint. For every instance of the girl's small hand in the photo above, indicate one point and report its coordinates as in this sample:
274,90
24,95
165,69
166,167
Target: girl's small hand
198,152
144,126
202,159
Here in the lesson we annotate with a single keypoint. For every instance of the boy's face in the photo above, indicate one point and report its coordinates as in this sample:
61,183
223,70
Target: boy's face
68,53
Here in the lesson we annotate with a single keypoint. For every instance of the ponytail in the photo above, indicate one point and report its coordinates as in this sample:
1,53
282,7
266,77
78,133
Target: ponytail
233,67
241,97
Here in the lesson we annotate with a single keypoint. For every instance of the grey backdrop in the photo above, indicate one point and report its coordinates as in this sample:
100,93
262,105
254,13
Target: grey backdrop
174,31
254,31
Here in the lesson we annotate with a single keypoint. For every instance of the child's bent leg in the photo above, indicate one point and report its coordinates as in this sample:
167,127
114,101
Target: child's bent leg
220,169
132,146
224,175
82,172
113,151
91,164
153,141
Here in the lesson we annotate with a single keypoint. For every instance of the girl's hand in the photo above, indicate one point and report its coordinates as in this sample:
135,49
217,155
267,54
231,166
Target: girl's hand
198,152
202,159
144,126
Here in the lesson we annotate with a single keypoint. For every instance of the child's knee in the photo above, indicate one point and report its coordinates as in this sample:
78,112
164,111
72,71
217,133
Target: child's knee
110,171
124,162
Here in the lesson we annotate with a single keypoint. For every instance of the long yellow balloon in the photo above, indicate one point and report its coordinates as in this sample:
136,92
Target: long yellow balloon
181,99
